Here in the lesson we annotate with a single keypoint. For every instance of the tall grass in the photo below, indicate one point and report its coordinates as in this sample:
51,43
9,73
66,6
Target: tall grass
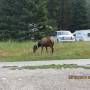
20,51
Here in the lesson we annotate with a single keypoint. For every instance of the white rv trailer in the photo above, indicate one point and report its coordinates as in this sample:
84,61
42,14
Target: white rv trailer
82,35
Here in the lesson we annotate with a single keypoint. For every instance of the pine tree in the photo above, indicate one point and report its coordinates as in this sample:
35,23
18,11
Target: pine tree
59,13
79,15
53,8
16,15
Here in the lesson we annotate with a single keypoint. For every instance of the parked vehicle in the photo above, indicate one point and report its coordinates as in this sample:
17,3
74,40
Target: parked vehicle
63,36
82,35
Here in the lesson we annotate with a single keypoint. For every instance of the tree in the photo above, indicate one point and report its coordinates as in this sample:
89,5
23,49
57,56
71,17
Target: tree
16,15
59,13
53,9
79,15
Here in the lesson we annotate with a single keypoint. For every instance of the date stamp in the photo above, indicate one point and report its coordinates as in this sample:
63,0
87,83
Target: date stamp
78,77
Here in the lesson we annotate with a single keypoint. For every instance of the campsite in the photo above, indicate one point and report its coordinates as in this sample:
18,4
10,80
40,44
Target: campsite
44,44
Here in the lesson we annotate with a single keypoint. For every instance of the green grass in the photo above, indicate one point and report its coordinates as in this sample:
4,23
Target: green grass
21,51
56,66
53,66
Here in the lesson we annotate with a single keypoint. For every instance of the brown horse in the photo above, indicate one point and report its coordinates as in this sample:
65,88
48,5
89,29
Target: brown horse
44,42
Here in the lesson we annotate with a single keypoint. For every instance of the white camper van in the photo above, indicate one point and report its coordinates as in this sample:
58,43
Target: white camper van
63,36
82,35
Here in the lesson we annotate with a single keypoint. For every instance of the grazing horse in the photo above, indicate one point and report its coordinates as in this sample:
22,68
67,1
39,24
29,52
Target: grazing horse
44,42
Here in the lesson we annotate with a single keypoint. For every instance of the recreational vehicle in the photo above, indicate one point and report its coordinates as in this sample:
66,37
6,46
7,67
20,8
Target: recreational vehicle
63,36
82,35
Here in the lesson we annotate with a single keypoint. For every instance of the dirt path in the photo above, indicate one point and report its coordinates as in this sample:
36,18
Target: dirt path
43,79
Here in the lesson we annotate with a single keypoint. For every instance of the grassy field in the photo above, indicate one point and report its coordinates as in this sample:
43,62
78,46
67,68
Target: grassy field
21,51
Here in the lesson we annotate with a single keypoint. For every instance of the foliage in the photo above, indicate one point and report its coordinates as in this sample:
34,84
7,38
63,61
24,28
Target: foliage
16,15
79,17
46,15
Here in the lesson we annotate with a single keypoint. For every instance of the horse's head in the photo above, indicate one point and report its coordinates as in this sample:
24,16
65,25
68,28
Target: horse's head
35,47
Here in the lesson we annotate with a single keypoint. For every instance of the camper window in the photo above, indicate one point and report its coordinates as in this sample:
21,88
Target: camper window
88,34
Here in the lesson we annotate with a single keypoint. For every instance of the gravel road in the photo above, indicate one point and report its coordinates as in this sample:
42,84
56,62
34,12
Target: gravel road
43,79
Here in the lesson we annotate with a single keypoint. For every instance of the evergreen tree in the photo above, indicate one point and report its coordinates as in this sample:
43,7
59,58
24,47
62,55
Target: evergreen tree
88,12
59,13
23,18
79,15
53,9
16,15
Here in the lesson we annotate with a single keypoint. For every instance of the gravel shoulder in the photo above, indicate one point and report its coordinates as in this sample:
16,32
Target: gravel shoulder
43,79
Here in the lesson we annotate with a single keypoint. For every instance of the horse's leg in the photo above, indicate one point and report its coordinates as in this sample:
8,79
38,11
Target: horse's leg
46,49
41,49
52,49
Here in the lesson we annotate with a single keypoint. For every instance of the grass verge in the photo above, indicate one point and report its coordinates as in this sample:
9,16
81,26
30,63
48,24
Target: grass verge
56,66
53,66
